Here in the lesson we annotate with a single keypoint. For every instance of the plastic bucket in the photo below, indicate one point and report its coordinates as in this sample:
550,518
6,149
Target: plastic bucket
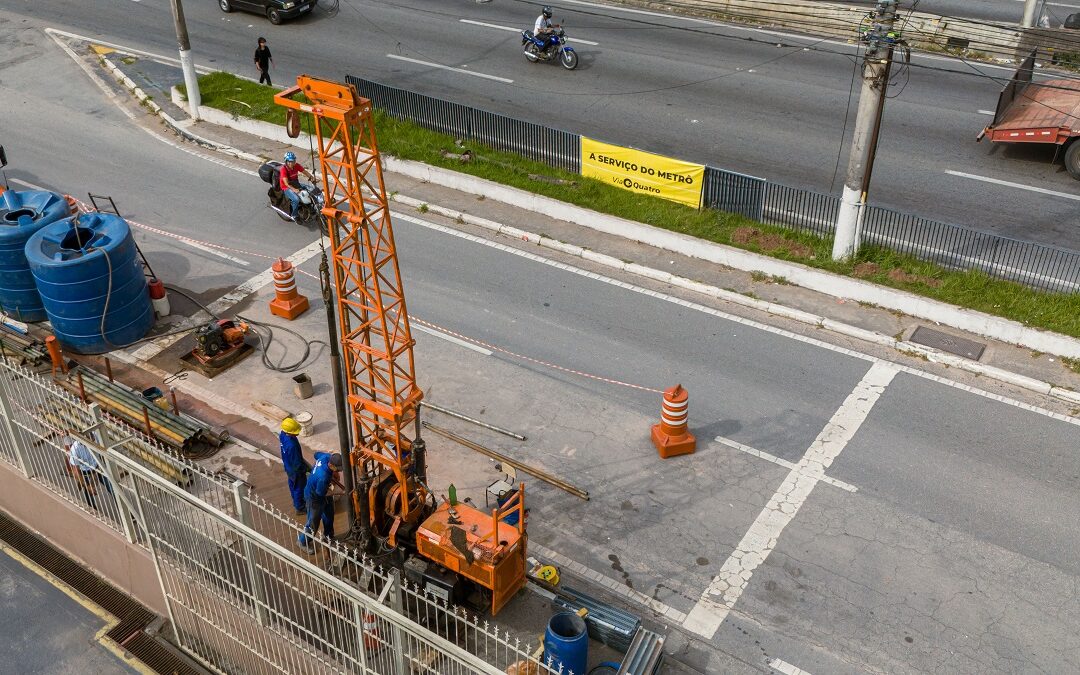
304,419
566,643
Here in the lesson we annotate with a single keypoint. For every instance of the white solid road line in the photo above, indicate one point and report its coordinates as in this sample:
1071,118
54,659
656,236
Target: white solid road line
28,186
986,112
781,462
451,338
1019,186
760,540
456,70
1057,4
205,70
518,30
786,668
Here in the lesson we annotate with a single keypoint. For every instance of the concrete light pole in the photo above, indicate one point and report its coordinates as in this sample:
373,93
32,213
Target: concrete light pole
191,81
1029,13
875,80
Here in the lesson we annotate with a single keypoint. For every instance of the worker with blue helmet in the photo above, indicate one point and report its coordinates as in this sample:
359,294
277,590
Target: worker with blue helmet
320,506
289,180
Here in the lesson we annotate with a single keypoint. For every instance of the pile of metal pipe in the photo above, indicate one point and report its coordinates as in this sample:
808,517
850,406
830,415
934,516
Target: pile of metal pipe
21,349
132,407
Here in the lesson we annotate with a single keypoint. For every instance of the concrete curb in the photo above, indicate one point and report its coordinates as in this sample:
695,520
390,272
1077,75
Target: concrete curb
823,282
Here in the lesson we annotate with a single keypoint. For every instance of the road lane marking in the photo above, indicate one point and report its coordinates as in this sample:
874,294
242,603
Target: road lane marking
451,338
194,244
781,462
786,668
518,30
761,539
1019,186
29,186
986,112
456,70
1057,4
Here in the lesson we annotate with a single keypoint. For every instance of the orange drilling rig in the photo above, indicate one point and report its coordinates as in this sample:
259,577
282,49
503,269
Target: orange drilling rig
450,548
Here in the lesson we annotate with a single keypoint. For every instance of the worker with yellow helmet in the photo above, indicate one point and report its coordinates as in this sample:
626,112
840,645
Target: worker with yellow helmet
292,459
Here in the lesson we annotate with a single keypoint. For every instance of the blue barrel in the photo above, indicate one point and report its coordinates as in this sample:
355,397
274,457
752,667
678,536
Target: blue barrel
566,643
21,215
91,282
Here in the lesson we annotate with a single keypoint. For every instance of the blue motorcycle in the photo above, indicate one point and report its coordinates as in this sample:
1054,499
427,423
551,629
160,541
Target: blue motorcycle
556,48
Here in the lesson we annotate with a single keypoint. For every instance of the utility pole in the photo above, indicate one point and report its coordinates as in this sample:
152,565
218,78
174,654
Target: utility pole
871,98
1029,13
191,81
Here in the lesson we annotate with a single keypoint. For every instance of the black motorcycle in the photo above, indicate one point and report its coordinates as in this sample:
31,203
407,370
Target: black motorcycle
311,197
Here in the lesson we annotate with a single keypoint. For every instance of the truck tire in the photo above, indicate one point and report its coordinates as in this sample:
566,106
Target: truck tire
1072,159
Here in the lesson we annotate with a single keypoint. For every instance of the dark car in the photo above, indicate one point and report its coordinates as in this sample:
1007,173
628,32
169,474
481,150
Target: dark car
275,10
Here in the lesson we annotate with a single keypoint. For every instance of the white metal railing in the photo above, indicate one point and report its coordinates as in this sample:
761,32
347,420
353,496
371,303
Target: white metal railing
239,598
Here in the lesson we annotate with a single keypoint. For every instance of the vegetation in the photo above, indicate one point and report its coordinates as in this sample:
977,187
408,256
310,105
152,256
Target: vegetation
972,289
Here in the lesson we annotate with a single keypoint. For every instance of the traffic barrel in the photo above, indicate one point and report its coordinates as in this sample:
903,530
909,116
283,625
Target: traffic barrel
287,303
671,437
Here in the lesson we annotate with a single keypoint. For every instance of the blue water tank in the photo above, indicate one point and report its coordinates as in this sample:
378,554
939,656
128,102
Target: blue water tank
566,643
87,267
21,215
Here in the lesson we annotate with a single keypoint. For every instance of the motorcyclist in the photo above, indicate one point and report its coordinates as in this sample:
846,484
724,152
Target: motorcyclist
289,180
542,28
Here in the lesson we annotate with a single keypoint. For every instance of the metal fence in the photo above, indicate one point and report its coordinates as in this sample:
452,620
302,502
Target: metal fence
1036,265
239,599
555,147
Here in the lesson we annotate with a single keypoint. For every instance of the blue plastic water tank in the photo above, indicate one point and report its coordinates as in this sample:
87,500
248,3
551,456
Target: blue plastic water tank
21,215
87,267
566,643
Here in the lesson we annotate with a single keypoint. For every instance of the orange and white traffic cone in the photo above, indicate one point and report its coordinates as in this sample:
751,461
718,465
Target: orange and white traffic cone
671,436
288,303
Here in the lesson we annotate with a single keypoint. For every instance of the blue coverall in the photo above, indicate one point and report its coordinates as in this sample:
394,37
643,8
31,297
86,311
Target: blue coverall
320,508
296,469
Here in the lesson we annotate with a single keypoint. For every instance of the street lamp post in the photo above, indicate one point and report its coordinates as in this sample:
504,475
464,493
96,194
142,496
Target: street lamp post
191,81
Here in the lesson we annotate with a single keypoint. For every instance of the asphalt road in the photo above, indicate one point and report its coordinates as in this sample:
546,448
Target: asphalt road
728,96
956,553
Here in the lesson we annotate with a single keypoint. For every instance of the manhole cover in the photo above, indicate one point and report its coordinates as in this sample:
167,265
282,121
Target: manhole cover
969,349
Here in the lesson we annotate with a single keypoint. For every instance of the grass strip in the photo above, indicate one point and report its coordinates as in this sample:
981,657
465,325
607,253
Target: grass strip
1058,312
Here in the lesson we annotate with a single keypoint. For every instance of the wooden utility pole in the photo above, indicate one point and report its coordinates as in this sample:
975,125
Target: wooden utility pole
864,139
191,81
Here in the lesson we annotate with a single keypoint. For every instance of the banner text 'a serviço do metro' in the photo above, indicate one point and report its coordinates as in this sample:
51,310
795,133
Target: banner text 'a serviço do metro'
643,172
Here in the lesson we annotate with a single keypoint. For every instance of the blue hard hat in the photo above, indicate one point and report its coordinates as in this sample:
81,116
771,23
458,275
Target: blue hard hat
290,156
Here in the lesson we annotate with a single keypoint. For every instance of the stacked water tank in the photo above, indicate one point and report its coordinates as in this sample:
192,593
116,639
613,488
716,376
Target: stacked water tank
21,215
90,278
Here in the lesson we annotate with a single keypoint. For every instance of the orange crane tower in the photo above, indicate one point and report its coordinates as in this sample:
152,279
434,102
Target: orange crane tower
388,455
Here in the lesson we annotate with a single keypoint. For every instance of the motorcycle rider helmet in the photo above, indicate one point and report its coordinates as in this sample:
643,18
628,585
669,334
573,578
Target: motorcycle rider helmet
547,12
290,156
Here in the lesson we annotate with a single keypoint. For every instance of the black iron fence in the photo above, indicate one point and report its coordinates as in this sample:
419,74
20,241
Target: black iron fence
1036,265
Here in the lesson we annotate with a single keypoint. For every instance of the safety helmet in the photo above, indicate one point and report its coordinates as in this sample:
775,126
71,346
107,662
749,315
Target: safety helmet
547,12
289,425
290,156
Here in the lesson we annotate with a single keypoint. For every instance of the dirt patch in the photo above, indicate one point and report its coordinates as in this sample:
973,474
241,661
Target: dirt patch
865,269
900,276
770,243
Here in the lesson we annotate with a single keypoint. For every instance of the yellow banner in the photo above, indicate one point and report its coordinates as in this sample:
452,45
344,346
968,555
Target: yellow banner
643,172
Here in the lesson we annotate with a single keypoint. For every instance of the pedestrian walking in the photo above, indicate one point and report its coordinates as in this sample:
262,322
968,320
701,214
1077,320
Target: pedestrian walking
84,468
292,460
263,59
320,507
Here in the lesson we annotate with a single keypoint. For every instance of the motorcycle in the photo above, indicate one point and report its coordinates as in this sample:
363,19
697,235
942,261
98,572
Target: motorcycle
311,197
556,48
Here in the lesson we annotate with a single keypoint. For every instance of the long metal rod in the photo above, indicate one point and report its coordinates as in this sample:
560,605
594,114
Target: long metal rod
341,408
532,471
451,413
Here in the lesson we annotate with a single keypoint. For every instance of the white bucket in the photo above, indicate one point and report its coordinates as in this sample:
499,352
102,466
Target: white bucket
304,419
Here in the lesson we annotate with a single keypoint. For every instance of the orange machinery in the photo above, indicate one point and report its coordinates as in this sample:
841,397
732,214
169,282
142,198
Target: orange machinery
387,454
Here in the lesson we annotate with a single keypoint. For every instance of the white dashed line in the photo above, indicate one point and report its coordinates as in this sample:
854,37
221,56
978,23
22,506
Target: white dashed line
1019,186
451,338
986,112
518,30
781,462
786,668
463,71
760,540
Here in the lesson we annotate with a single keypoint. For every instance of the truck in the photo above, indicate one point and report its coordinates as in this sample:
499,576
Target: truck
1047,111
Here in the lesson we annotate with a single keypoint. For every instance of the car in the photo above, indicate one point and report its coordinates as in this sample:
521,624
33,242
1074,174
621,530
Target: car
275,10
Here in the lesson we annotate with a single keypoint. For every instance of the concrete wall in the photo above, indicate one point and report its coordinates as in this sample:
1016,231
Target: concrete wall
90,542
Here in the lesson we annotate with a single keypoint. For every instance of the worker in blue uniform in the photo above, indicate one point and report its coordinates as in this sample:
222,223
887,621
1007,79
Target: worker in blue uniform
292,459
320,507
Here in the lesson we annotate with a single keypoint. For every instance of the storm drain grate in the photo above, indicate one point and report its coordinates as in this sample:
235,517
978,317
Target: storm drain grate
133,616
929,337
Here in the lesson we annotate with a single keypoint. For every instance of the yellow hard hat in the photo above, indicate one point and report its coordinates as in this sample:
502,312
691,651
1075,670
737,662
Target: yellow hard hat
290,426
